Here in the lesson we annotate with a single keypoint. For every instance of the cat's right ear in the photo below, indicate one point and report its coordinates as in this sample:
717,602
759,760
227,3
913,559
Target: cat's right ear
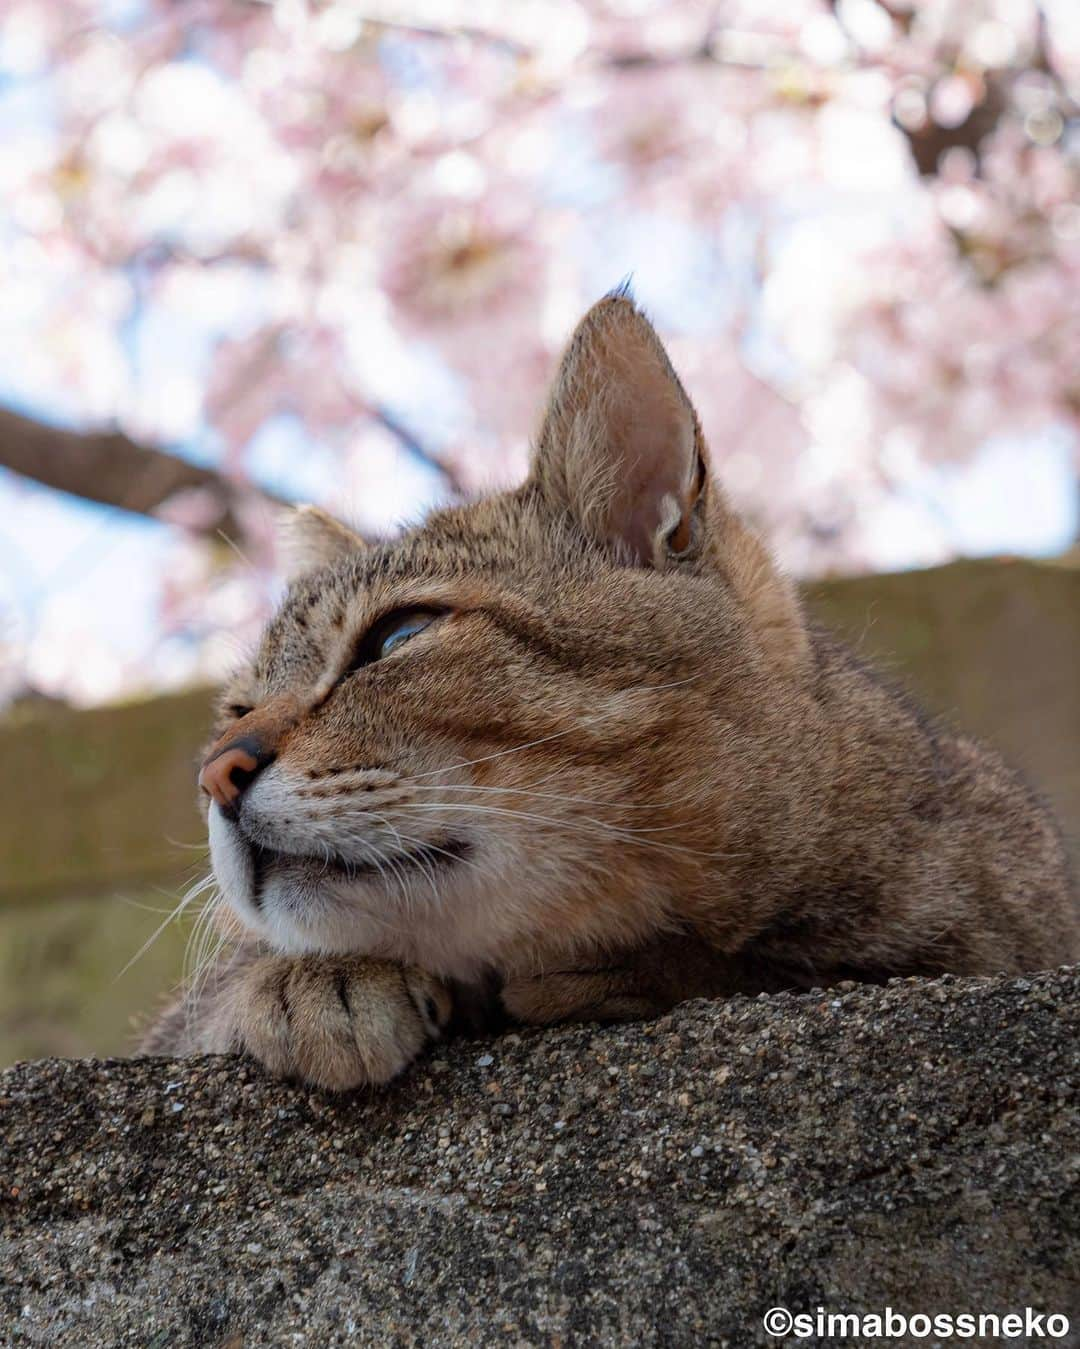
621,452
620,448
311,539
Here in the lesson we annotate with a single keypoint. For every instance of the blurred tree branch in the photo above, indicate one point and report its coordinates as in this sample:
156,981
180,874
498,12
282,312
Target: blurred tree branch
930,140
109,467
415,447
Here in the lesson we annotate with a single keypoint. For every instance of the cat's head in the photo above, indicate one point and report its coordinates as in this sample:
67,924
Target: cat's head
502,736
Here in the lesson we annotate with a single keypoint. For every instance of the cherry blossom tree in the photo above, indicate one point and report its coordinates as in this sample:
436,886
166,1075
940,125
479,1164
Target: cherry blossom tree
357,233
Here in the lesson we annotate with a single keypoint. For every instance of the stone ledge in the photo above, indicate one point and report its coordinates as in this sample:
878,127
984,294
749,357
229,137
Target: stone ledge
662,1183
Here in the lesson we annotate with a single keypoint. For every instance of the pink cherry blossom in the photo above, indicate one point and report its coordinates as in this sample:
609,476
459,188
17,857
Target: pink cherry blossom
857,226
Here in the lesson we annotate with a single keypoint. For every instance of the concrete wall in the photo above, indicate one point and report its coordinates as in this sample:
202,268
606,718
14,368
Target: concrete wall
658,1184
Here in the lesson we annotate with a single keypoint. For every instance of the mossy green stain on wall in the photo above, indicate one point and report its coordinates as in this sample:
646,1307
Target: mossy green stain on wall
63,987
90,798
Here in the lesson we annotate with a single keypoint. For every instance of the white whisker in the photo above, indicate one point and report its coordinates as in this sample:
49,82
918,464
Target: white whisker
548,796
192,894
599,827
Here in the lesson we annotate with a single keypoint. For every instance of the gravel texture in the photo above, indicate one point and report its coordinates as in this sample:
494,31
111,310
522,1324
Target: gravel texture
662,1183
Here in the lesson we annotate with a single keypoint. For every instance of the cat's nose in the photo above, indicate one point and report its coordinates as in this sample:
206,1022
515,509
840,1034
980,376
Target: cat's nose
229,771
246,748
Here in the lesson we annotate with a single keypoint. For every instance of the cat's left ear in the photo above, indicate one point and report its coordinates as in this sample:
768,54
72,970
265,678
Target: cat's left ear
620,446
311,539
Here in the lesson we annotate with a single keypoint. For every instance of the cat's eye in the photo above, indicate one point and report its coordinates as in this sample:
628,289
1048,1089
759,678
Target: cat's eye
238,710
391,631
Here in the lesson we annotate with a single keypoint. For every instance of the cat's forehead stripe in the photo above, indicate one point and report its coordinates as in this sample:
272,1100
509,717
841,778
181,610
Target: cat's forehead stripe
313,633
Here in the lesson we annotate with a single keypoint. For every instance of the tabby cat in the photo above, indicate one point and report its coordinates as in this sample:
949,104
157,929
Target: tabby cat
572,751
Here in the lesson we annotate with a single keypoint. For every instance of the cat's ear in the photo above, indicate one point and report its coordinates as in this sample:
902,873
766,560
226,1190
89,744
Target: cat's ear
311,539
620,446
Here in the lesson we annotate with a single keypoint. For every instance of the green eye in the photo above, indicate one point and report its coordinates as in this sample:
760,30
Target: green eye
391,631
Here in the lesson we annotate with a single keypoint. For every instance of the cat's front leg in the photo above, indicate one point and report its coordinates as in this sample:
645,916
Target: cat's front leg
333,1021
582,995
636,984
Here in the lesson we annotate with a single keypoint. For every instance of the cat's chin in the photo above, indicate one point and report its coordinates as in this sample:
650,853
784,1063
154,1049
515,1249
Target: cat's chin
303,905
298,922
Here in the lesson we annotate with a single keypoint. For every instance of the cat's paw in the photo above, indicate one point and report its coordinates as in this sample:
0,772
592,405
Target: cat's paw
336,1022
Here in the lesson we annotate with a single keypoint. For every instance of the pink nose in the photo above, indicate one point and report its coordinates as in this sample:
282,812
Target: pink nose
227,773
246,748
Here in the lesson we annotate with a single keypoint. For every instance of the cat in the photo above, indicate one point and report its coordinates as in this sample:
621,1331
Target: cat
572,751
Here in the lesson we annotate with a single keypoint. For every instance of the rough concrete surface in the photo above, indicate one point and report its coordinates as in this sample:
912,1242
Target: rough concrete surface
916,1146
